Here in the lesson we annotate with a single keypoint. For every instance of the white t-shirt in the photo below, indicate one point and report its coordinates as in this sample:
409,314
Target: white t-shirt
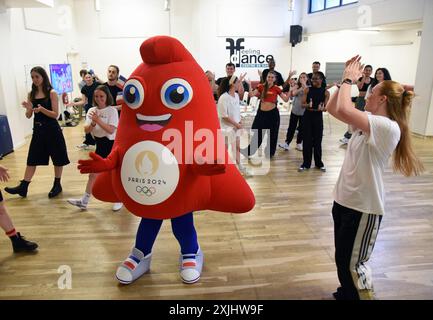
229,107
360,184
108,115
369,91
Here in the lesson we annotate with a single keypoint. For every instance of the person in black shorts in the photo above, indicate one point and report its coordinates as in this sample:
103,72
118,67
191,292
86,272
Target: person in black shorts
19,243
47,139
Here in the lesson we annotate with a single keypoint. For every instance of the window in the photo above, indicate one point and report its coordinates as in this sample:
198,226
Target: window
332,4
317,5
348,1
320,5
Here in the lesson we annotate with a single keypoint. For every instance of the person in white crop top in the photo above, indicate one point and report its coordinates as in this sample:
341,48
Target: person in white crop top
359,194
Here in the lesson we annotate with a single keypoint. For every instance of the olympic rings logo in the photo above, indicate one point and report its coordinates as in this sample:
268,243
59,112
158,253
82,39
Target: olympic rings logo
145,190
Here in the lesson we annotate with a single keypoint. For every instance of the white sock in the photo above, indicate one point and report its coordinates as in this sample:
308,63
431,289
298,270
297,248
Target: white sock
86,197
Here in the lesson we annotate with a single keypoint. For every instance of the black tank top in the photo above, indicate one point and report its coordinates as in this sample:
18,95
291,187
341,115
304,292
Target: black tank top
366,85
317,95
40,117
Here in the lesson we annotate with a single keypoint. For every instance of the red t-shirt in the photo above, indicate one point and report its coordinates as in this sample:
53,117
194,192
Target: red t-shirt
272,94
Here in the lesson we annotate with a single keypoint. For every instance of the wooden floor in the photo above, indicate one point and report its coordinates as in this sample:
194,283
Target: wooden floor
283,249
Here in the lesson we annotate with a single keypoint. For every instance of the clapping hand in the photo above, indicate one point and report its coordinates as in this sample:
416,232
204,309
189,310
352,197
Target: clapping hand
38,109
354,69
28,105
94,116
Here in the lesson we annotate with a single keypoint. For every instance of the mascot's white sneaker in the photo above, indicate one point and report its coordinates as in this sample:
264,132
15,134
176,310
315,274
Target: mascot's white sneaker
133,267
191,266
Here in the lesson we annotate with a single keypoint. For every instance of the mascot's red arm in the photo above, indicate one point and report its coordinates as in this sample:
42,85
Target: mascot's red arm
98,164
103,187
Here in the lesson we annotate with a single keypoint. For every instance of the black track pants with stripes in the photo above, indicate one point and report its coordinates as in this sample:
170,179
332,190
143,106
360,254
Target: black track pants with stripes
355,234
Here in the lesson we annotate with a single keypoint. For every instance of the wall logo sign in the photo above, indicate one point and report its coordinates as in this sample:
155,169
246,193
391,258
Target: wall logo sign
246,58
150,173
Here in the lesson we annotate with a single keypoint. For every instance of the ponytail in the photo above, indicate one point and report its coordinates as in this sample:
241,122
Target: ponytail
399,103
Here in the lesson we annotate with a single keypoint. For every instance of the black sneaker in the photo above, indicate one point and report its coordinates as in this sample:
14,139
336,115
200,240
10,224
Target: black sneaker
338,295
55,190
20,244
20,189
322,168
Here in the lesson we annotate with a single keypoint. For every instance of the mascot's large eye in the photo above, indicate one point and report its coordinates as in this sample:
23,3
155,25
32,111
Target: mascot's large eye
133,93
176,93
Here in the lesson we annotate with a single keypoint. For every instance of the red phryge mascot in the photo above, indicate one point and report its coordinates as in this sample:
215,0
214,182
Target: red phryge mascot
168,159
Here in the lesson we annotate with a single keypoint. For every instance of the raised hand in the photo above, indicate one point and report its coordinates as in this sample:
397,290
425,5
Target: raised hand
353,69
355,58
242,77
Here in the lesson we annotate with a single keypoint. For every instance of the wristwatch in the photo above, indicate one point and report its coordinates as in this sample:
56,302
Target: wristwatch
348,81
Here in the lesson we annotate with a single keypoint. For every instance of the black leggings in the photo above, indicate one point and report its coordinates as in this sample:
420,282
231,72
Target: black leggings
294,120
265,120
312,127
355,235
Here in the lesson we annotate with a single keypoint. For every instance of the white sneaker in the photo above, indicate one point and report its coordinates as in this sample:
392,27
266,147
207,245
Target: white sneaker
191,266
133,267
245,172
78,203
344,140
117,206
255,161
284,146
83,146
299,146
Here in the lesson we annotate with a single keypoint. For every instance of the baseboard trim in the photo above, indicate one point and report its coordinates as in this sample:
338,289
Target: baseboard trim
421,136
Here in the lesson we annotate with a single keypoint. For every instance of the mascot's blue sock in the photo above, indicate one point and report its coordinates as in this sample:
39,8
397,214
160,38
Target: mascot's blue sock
183,229
146,234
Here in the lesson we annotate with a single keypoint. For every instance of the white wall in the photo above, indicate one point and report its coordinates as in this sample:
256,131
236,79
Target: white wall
22,47
338,46
201,25
9,104
363,14
214,56
422,110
